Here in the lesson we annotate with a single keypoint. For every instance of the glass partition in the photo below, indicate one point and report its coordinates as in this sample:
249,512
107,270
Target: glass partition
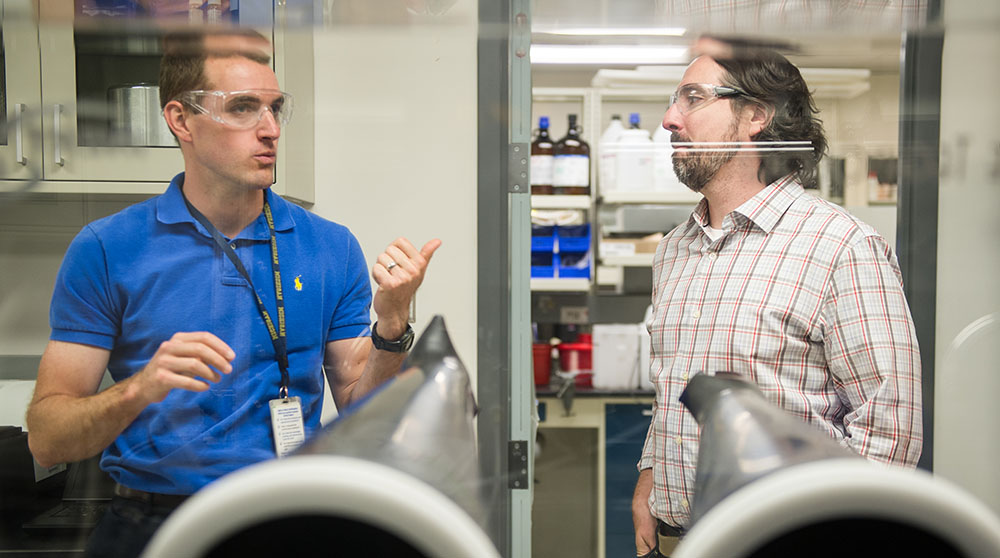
407,122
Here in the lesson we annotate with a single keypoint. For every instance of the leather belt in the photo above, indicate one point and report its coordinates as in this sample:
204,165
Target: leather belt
151,498
669,530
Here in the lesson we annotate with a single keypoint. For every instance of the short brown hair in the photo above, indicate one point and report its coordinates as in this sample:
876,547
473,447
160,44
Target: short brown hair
184,53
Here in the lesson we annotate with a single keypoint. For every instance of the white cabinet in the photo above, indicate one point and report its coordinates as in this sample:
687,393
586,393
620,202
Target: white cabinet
70,129
20,140
59,72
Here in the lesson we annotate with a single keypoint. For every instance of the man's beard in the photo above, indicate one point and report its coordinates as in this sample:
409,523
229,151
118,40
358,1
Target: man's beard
696,169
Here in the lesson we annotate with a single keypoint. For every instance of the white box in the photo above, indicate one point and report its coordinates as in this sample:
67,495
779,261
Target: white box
616,356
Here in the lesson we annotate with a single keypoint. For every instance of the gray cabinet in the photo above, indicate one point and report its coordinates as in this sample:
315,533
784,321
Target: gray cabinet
80,113
585,474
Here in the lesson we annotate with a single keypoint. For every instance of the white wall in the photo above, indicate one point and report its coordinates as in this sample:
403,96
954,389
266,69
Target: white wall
396,150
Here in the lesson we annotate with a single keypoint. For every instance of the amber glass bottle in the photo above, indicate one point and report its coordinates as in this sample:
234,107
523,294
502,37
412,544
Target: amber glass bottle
571,168
541,159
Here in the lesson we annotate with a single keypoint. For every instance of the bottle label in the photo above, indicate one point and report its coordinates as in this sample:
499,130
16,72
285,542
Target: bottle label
571,170
541,170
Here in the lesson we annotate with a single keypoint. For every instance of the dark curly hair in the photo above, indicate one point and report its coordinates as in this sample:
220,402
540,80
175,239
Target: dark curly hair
768,77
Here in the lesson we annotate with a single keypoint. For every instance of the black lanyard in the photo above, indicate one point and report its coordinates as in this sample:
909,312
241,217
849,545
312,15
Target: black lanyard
278,338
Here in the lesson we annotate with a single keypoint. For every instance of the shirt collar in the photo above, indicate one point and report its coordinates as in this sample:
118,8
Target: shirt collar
700,214
767,206
171,209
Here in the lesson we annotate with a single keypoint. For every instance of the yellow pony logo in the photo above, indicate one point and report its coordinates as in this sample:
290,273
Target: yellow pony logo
298,282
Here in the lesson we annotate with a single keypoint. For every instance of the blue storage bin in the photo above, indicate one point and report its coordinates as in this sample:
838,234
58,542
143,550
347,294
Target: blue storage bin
542,238
573,238
543,258
574,265
543,264
543,243
574,244
567,231
543,271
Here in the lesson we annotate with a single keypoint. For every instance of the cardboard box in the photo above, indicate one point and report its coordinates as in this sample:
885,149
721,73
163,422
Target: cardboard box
628,246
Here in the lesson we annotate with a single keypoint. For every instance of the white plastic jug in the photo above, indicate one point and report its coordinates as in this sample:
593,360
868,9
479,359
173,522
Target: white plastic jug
635,161
606,167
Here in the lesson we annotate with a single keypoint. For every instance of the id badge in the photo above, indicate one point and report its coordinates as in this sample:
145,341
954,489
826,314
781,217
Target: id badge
286,424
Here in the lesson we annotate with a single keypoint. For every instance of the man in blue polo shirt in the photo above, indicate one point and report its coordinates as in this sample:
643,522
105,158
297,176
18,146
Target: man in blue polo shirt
215,306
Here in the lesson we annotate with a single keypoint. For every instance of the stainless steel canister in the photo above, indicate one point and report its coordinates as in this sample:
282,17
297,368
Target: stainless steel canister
136,117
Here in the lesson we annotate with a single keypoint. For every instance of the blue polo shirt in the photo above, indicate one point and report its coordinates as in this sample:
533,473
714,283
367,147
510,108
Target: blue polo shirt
130,281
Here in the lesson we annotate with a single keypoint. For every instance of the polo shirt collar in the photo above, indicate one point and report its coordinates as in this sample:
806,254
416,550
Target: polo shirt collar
171,209
767,206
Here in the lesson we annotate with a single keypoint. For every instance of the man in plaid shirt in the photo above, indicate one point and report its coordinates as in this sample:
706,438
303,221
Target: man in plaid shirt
769,282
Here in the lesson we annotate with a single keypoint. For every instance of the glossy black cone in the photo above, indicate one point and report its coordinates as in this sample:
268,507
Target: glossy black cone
421,422
433,345
744,437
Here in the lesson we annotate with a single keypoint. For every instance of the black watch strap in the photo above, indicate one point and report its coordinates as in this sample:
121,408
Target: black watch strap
400,345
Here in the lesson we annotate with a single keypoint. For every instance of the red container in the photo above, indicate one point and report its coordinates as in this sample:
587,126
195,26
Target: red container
575,357
585,376
542,363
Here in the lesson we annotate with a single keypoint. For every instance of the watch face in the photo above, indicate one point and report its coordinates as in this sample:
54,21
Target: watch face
407,338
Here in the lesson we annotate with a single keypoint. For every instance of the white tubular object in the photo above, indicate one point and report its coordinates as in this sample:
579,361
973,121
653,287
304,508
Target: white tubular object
834,489
345,487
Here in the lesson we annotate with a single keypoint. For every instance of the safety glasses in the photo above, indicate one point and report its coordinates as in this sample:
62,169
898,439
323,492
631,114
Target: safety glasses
694,96
241,109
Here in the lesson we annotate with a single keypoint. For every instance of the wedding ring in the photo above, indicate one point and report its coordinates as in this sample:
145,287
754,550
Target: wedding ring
390,266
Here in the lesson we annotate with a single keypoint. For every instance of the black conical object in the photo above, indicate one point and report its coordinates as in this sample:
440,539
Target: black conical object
744,437
433,345
420,422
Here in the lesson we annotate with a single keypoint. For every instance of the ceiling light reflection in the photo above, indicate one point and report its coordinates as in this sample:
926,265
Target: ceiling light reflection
611,31
608,54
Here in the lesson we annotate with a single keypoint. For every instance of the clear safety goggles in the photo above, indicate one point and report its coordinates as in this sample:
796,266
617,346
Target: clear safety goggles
693,96
241,109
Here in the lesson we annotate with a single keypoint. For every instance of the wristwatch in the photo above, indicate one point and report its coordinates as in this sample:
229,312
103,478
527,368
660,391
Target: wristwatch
400,345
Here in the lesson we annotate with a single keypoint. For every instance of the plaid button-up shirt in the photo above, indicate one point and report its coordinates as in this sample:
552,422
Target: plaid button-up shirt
803,299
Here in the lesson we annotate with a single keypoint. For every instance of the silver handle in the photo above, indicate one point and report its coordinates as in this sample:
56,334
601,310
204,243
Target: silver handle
18,134
58,140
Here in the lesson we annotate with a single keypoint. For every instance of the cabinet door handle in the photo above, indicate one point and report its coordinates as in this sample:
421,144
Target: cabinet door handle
19,133
58,140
